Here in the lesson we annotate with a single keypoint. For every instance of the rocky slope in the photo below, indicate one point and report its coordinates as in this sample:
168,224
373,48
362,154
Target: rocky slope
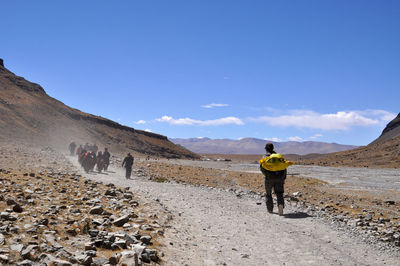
256,146
29,115
50,215
391,131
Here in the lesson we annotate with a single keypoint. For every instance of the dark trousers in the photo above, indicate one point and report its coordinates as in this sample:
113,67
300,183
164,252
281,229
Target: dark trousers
277,185
128,172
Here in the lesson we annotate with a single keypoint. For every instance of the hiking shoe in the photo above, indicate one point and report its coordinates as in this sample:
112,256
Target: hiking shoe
269,210
280,210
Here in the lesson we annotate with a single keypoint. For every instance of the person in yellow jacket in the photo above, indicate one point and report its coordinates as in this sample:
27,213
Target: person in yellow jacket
273,166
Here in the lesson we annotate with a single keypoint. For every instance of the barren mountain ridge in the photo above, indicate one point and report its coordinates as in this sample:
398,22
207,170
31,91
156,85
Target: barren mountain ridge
28,114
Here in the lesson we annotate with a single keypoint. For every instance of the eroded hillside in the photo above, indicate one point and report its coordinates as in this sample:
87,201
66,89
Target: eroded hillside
29,115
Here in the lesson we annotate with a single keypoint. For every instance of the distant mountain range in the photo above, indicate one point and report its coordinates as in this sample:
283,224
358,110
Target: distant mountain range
256,146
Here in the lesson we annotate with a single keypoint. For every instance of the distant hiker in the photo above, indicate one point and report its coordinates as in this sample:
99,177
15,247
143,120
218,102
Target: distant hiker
86,147
72,147
89,161
273,166
79,150
81,156
92,161
128,161
95,148
100,161
106,158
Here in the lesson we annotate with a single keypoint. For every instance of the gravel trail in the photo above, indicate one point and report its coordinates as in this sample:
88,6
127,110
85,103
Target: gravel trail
215,227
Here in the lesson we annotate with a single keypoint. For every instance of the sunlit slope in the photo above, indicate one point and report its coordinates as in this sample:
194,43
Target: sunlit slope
28,114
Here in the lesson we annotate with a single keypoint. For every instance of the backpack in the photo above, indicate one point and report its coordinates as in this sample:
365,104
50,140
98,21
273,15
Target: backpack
275,162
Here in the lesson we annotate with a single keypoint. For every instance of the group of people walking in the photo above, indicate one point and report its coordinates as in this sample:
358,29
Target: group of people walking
89,157
274,173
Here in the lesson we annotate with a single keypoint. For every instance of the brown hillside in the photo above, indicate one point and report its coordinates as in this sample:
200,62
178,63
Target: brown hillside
28,114
392,130
384,152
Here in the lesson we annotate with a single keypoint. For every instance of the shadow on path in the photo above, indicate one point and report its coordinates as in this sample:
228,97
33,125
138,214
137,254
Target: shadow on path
296,215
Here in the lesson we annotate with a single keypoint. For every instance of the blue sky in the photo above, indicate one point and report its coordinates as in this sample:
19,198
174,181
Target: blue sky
281,70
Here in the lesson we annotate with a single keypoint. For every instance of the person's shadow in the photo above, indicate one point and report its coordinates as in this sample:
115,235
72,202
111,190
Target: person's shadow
296,215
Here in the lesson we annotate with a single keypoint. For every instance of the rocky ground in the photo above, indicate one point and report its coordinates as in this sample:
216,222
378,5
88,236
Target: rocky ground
181,213
50,215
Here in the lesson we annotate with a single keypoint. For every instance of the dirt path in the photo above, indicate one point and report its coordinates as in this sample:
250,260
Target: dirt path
214,227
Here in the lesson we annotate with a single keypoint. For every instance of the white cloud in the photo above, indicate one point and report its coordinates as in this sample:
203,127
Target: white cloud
148,130
193,122
341,120
295,138
140,122
316,136
212,105
273,139
384,116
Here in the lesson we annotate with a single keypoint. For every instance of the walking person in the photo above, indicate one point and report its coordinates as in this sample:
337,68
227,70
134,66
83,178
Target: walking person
72,147
100,161
273,166
106,157
128,161
79,150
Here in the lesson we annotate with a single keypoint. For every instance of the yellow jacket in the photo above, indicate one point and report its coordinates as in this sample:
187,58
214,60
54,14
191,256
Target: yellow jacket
275,162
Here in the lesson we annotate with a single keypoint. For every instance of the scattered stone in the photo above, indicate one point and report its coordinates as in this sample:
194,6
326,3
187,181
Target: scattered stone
152,254
93,232
121,221
84,259
100,261
44,221
61,263
129,239
297,194
96,210
113,260
27,253
146,239
72,232
129,258
17,247
11,202
390,202
90,246
4,258
26,263
2,239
